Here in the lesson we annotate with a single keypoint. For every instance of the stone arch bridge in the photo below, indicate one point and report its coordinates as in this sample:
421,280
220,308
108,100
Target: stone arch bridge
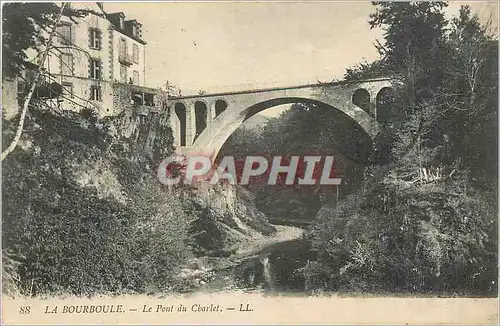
202,123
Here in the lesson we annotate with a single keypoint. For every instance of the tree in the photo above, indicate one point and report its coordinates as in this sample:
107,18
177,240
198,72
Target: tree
30,26
172,89
413,43
26,25
41,62
469,96
366,70
426,221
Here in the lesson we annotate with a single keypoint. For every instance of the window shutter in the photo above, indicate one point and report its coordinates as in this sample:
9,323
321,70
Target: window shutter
90,38
57,37
99,35
60,34
72,31
101,72
90,68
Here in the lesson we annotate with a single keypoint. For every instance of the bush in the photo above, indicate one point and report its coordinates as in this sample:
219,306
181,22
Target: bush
162,235
395,237
11,282
67,238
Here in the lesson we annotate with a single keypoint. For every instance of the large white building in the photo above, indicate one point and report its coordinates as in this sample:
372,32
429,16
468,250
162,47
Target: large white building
95,62
95,52
99,60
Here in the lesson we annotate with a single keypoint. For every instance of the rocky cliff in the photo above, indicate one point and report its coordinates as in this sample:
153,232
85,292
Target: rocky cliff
81,200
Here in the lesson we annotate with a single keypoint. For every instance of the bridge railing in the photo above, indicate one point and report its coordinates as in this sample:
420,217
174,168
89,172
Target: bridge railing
279,88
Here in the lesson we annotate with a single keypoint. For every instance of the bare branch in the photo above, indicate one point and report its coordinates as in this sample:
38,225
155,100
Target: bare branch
27,100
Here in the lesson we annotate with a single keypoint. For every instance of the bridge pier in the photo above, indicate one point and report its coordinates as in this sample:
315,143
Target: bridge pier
211,113
190,124
373,104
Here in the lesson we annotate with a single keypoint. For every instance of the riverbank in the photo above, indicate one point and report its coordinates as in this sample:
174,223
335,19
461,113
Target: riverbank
213,274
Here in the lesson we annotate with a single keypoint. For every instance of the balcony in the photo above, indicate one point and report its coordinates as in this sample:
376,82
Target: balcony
125,58
144,103
145,109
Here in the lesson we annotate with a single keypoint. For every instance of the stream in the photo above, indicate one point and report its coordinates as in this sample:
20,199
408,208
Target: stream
269,264
278,267
275,265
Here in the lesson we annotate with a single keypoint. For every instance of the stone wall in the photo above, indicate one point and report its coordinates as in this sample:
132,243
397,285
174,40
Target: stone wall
141,116
123,97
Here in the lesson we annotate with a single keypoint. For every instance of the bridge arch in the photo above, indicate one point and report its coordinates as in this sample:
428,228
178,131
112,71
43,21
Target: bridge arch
201,114
181,113
383,103
212,140
220,106
361,98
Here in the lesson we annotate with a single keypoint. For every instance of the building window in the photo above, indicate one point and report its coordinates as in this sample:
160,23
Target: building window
65,33
123,73
136,77
68,89
149,99
135,53
66,64
143,119
95,38
95,93
122,48
95,68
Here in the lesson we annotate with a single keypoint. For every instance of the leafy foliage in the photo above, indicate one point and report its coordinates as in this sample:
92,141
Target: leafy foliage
133,231
94,219
398,236
414,42
426,220
420,213
366,70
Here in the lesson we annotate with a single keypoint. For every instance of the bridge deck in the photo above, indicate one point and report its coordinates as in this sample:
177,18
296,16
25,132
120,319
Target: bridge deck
343,82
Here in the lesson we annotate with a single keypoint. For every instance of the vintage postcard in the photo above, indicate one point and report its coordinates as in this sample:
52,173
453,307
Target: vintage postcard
249,162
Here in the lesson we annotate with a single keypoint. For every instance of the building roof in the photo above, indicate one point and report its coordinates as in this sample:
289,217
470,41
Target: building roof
133,20
114,20
121,14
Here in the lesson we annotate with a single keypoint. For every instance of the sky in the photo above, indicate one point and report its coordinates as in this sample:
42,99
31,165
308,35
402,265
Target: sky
225,46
